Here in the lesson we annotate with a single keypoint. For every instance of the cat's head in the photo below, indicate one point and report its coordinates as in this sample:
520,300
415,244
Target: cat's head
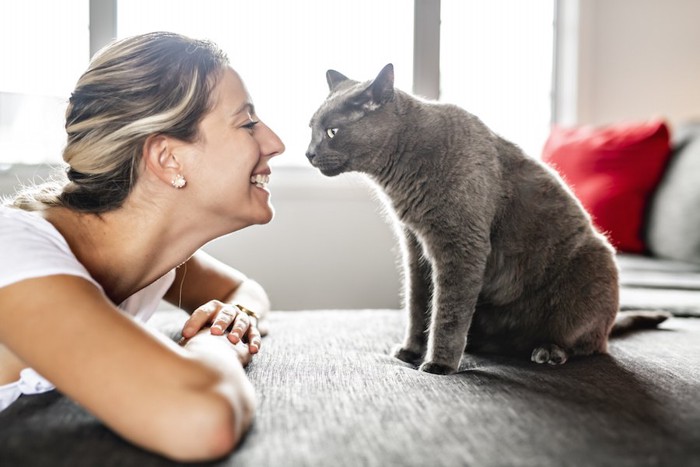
352,124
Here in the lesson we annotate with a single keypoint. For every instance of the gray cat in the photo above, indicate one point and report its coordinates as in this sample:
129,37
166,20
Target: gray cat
499,256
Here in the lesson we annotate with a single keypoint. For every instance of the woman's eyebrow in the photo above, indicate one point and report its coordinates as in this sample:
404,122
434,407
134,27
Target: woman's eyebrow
247,106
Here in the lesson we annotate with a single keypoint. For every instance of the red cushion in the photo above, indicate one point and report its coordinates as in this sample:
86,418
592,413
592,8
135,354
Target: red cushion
612,170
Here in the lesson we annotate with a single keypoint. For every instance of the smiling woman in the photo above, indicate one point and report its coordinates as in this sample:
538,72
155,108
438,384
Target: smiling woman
163,141
228,162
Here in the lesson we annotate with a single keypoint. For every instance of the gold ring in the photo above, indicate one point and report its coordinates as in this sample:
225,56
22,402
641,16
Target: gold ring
247,311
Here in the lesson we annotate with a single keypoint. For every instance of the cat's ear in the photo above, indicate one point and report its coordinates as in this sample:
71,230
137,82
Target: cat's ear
383,85
381,90
334,78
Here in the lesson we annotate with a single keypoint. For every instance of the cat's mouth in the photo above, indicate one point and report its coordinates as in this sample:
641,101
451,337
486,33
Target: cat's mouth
329,166
331,170
260,180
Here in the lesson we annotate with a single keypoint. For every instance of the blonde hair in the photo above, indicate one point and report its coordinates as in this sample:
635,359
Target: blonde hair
156,83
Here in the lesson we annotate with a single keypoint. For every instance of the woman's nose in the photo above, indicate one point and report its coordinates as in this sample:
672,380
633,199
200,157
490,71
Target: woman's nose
270,145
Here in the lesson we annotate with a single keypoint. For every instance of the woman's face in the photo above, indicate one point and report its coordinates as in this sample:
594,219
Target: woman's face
231,164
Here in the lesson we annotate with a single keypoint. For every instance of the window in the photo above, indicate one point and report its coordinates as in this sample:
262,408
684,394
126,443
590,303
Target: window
44,47
495,59
496,62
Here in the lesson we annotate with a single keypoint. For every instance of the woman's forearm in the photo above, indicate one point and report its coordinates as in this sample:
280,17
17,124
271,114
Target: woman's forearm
229,404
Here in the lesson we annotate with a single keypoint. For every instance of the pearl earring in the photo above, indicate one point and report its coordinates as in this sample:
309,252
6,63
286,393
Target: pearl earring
179,181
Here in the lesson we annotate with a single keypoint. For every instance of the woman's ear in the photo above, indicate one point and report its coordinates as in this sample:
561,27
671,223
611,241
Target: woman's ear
160,160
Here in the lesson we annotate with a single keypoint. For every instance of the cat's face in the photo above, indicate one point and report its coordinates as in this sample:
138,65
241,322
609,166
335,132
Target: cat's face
350,126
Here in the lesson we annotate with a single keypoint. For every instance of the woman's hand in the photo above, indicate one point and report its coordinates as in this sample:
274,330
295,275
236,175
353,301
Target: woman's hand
223,318
210,341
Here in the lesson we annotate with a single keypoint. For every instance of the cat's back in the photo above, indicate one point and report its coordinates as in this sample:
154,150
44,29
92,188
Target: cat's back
451,143
455,126
477,170
530,186
538,212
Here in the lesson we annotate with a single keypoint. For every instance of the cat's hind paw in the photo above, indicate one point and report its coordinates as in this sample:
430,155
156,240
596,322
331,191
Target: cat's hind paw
406,355
436,368
551,354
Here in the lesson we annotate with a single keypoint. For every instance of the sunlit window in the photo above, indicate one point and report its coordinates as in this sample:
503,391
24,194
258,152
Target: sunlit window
44,47
496,62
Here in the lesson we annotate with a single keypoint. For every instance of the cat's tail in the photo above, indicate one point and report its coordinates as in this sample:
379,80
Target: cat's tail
629,320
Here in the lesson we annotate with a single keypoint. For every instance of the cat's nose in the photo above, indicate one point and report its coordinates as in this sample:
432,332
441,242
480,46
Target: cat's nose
310,156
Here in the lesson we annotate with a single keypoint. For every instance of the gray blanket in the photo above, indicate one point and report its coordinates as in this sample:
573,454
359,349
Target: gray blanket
329,395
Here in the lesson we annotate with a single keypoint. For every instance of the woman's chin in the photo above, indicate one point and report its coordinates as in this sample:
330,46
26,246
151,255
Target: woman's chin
260,210
266,220
265,216
261,216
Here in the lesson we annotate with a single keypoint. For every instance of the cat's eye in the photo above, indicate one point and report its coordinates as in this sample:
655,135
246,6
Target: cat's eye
331,132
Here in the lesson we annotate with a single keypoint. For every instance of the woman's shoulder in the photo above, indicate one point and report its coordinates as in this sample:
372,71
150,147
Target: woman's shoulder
15,219
19,228
31,247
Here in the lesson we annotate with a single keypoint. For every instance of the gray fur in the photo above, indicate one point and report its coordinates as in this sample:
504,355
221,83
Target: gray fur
494,243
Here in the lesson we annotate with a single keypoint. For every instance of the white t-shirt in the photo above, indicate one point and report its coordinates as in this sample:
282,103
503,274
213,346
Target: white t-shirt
31,247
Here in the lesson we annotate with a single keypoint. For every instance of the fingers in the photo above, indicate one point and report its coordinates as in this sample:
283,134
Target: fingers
254,339
240,325
199,318
224,318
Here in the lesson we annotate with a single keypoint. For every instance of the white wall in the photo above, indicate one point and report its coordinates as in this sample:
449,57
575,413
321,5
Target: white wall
328,246
636,59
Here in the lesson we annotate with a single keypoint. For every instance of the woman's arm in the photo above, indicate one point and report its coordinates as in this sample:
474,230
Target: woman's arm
203,278
191,403
206,288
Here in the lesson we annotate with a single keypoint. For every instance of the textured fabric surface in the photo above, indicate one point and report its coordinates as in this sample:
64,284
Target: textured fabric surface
648,283
329,395
613,171
674,218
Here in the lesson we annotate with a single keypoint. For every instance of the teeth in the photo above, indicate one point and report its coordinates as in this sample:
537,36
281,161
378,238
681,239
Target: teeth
260,180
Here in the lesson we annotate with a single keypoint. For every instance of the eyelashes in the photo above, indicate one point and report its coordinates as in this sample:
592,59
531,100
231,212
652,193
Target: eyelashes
250,125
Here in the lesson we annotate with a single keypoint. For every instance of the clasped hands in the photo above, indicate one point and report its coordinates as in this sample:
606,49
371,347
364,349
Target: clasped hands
239,324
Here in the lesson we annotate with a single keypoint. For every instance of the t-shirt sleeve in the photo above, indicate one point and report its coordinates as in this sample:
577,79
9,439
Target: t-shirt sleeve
30,247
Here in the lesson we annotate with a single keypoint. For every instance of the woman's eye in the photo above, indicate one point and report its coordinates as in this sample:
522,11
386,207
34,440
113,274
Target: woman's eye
250,125
331,132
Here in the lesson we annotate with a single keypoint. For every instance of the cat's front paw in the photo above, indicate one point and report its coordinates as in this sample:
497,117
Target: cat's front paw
437,368
408,356
550,353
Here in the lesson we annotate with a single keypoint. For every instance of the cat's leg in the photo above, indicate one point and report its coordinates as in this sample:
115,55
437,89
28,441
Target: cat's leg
458,271
417,292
